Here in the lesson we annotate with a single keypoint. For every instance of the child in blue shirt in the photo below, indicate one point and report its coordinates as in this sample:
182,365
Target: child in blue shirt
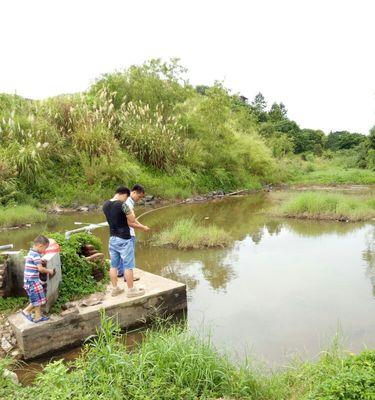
32,283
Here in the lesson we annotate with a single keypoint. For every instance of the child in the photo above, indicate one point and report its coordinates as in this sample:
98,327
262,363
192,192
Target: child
32,284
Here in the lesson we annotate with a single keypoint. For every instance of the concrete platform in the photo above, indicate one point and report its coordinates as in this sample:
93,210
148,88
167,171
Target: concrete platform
163,296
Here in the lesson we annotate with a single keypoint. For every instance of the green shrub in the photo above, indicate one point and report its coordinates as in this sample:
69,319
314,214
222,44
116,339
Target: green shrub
77,279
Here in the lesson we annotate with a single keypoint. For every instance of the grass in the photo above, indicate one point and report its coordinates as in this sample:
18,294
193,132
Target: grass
172,363
20,215
188,234
329,206
338,176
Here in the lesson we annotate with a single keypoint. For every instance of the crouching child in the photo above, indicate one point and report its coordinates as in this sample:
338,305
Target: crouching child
32,282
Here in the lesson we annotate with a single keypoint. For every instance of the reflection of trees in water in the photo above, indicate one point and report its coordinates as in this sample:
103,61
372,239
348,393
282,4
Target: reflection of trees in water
178,273
183,266
217,271
369,256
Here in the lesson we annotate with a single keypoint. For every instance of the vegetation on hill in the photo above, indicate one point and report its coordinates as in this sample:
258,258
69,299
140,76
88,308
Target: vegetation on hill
148,124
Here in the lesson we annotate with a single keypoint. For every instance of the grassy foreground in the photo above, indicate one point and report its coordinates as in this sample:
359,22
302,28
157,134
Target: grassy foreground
188,234
171,363
20,215
329,206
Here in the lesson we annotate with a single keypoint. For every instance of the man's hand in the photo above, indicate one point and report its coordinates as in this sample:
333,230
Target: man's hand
146,228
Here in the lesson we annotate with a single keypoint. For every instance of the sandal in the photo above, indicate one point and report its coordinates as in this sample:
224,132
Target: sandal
42,319
27,316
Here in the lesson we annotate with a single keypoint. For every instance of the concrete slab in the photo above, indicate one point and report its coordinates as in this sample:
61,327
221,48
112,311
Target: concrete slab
163,296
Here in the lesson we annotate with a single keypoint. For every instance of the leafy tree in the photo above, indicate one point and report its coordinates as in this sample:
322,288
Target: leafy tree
277,112
344,140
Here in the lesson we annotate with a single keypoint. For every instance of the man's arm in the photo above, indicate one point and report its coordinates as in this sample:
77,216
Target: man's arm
133,222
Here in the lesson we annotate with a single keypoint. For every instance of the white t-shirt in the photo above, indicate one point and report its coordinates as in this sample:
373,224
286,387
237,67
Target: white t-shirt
131,204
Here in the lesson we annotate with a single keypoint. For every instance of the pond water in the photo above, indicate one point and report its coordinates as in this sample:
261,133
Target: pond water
284,287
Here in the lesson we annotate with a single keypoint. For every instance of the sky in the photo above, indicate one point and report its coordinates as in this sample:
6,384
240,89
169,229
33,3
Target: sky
317,57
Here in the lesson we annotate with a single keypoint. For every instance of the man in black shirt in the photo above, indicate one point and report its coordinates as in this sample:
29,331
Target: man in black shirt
121,249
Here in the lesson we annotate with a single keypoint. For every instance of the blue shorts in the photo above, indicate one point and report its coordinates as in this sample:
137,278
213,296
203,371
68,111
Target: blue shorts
121,266
121,252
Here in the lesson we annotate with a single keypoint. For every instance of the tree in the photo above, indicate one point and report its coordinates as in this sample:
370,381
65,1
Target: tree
259,103
277,112
341,140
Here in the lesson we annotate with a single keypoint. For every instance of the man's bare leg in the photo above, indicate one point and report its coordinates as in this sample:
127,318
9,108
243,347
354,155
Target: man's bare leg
129,278
113,276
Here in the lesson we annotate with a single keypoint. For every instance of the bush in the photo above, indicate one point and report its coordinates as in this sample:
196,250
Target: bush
187,234
77,279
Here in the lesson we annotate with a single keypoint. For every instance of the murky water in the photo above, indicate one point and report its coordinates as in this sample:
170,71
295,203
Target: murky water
283,287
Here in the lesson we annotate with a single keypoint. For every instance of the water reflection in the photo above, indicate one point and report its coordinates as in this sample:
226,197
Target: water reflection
369,257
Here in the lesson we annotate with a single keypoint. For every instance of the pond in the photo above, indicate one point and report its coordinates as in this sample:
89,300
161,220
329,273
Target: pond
284,287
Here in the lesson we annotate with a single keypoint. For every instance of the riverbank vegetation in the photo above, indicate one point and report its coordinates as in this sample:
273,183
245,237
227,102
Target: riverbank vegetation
13,216
329,206
187,233
172,363
148,124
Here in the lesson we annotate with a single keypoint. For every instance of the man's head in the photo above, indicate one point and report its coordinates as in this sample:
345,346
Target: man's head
122,193
137,193
41,243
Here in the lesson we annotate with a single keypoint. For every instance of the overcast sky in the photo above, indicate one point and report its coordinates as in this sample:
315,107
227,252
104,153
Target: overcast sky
317,57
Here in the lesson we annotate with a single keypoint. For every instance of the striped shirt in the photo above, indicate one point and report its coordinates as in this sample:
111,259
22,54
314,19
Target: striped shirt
31,273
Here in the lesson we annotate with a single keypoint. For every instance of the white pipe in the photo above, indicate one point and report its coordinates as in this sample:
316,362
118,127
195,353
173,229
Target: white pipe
6,247
87,228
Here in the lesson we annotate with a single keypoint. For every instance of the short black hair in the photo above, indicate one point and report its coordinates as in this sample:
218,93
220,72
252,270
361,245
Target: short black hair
138,188
41,240
123,190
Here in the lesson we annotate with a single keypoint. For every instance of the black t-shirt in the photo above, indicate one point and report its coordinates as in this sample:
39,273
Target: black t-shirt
115,213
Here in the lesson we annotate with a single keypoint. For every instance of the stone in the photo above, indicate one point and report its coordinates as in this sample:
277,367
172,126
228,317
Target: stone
70,310
11,375
92,207
5,345
15,354
83,209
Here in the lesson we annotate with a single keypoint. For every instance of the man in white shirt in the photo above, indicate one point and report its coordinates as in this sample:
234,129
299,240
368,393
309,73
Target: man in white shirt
137,193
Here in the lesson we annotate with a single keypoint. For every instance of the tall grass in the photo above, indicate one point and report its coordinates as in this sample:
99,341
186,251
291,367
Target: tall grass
317,205
20,215
188,234
171,363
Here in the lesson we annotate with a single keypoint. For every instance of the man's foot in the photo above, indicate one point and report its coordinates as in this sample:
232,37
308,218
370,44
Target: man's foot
116,291
135,292
135,278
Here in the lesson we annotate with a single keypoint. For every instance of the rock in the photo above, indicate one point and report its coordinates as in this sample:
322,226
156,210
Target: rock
83,209
92,207
149,198
5,345
68,305
11,375
13,341
15,354
70,311
206,218
94,299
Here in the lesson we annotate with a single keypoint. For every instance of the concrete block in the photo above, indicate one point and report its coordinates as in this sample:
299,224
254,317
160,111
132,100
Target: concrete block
163,296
